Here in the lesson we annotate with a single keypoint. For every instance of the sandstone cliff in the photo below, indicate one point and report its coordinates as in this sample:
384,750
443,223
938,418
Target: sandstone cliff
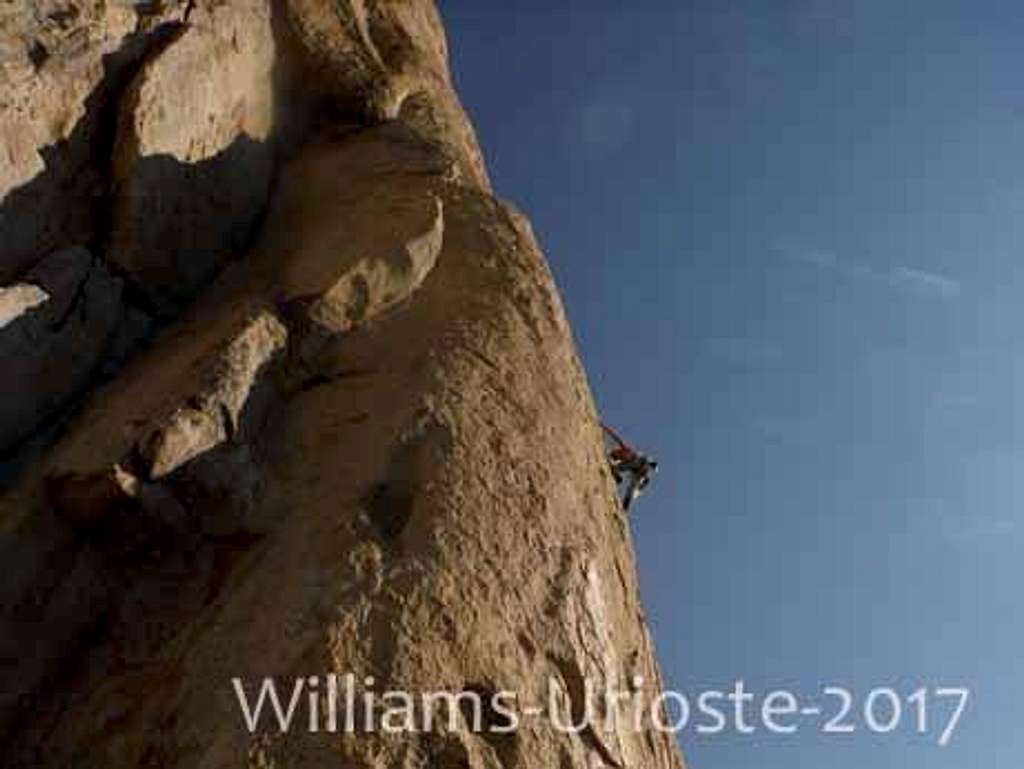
287,392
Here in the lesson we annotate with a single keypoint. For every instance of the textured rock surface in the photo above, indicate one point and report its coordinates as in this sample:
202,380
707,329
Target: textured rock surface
62,68
56,328
192,160
360,443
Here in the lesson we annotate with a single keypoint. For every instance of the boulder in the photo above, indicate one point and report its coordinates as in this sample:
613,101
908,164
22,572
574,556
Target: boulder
193,158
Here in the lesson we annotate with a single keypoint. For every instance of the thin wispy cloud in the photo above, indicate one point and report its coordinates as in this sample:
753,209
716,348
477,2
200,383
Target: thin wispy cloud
943,522
932,283
900,278
952,402
982,533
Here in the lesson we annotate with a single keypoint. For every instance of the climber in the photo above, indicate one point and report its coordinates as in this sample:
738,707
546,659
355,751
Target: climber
631,466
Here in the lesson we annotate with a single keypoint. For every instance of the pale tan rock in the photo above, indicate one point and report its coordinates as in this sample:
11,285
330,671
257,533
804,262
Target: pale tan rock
375,60
355,227
18,300
61,63
50,62
368,448
362,212
216,411
193,158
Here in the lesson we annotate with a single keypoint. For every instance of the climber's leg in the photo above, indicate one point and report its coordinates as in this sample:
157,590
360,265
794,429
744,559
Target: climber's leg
632,492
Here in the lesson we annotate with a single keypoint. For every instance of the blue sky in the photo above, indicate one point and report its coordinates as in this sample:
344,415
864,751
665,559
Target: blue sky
789,237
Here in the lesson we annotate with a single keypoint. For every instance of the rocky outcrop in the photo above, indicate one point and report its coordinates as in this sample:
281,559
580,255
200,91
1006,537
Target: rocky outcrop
358,439
63,67
192,159
374,61
57,327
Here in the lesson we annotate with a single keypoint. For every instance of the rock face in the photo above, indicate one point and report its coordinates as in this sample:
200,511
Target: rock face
63,68
57,327
192,163
318,408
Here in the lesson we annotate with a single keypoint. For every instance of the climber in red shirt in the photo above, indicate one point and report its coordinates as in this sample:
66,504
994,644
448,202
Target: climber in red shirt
631,466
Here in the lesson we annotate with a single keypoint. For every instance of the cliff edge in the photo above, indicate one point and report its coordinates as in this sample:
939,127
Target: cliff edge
290,395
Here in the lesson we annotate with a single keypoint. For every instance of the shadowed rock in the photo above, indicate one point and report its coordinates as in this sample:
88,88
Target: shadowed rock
192,158
63,66
56,328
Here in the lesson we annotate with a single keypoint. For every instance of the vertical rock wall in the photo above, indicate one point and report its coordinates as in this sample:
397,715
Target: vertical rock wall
329,418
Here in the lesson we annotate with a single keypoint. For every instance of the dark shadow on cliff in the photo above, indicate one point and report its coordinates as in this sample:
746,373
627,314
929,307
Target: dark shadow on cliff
179,223
64,204
187,221
95,569
89,596
177,229
176,224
